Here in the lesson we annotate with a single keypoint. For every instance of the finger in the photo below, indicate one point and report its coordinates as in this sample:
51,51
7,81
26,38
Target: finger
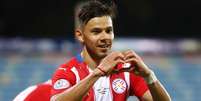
136,55
136,72
128,56
134,63
132,60
119,61
119,55
126,52
126,69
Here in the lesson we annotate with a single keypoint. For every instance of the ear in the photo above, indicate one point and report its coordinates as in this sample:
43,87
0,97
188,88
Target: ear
79,35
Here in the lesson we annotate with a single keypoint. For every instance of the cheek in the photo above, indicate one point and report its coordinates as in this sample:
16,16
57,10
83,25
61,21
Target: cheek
112,37
90,40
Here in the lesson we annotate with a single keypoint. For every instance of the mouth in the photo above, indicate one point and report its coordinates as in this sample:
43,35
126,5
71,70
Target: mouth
105,46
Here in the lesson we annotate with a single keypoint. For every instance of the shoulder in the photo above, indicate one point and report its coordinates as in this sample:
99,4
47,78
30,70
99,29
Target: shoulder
73,62
46,86
64,73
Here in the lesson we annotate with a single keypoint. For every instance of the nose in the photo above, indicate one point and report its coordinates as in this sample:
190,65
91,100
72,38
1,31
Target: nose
106,37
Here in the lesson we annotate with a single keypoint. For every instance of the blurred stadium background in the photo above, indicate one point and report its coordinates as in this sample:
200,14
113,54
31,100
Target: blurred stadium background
177,63
37,35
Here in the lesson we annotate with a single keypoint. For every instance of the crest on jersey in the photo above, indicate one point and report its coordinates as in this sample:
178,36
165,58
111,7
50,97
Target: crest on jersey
119,85
61,84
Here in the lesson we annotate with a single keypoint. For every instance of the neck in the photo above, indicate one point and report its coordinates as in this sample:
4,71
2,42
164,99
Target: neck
89,60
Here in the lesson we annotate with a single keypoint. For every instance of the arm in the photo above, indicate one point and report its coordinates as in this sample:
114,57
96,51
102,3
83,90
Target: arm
156,90
76,92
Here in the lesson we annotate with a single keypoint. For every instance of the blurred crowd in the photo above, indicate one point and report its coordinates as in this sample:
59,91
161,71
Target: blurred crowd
177,63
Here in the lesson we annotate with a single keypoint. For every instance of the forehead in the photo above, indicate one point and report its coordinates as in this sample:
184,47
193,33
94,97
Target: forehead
99,22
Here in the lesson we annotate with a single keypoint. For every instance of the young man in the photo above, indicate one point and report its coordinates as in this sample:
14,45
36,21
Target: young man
39,92
97,74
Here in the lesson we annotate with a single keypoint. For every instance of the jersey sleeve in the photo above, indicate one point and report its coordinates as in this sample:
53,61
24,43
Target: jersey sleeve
40,92
62,79
22,96
138,86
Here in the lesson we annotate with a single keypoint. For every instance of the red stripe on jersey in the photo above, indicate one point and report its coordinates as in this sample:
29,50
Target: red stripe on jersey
121,96
138,85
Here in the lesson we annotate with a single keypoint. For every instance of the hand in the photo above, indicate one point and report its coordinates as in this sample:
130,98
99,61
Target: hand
137,64
110,61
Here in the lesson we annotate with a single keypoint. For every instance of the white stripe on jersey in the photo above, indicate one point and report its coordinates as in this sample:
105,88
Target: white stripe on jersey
22,96
90,70
74,70
102,89
127,78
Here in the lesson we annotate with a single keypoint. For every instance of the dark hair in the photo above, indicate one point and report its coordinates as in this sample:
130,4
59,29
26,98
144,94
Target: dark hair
93,8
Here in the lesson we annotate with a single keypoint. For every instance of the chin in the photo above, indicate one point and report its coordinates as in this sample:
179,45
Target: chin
102,54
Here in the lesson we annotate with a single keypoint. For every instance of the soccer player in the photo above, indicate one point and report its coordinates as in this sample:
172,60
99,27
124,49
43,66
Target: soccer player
40,92
99,74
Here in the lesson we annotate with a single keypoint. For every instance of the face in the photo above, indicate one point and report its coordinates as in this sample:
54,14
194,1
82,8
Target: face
97,36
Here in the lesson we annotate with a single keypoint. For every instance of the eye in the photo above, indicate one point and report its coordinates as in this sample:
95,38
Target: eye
96,31
109,30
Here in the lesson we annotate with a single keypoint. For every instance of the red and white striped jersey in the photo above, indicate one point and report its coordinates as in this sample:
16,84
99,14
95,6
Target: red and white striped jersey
116,87
40,92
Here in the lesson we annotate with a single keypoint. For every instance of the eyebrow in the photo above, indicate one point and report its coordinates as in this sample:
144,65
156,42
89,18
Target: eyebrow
97,28
110,27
